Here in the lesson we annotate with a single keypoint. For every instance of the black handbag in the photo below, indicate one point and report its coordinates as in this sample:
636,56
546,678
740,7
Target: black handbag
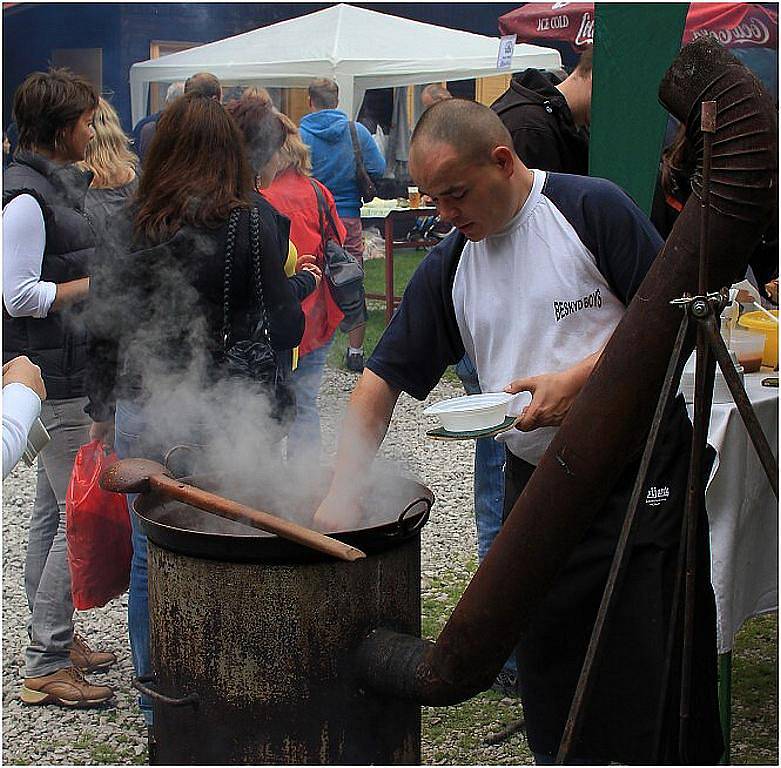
254,359
343,273
366,186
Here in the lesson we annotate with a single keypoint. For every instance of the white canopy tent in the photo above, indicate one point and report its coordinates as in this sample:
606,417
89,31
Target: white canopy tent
360,49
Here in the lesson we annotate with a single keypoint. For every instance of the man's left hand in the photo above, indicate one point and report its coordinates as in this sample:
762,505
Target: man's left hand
552,394
552,397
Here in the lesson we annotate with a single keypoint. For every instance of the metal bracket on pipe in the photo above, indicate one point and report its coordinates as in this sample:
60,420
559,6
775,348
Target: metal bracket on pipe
700,307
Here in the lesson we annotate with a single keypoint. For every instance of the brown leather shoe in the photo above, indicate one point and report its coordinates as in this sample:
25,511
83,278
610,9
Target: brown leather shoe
87,660
67,687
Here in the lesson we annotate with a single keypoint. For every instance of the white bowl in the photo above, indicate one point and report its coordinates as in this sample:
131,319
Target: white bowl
471,413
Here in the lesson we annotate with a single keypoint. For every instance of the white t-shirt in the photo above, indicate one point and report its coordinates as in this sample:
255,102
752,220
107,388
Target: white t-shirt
535,265
21,407
24,241
536,298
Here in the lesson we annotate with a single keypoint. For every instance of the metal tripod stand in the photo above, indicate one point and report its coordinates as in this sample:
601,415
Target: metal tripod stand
704,310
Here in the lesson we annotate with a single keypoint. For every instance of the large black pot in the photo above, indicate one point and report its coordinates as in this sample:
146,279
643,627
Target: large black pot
252,637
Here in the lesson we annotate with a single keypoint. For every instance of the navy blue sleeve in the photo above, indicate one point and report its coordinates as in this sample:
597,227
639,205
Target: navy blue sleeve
423,338
609,223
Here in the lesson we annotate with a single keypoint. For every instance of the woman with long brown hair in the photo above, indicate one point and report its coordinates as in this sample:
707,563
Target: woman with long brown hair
180,289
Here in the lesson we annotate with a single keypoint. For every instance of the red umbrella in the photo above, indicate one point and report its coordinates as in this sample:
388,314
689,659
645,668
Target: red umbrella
732,24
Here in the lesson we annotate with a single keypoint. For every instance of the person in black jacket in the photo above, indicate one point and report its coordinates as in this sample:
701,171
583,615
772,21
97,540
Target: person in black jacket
157,334
549,124
48,245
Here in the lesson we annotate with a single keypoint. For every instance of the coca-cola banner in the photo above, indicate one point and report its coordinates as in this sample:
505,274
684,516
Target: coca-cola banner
732,24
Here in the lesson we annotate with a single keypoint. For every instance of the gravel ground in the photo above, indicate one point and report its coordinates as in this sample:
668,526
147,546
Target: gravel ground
116,735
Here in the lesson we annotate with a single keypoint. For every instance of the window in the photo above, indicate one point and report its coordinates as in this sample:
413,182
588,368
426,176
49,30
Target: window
158,48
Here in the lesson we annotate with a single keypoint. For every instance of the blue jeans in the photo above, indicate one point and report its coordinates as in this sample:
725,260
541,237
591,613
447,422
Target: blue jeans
129,429
488,480
304,440
489,472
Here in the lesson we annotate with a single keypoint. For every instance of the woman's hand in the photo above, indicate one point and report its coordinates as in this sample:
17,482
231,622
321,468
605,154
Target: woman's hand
21,370
308,263
102,431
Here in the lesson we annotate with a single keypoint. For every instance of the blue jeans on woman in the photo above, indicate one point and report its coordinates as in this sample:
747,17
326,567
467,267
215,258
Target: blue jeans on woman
304,439
489,472
488,480
130,427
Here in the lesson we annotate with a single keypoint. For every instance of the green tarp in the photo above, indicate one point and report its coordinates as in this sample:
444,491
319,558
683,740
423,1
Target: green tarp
634,44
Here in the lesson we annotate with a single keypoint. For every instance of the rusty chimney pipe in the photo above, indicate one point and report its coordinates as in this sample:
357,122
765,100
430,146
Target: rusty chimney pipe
571,481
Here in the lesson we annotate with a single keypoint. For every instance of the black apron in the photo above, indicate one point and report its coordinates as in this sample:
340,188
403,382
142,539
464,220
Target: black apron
621,712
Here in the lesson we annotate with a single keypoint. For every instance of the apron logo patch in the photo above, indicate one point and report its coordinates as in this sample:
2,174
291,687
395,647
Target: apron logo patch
656,496
565,308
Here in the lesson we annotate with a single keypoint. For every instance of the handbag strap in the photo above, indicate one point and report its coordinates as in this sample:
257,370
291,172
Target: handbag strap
356,149
257,283
321,209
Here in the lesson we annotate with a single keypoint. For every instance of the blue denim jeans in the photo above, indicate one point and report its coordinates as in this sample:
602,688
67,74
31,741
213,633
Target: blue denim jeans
47,578
489,472
129,430
488,481
304,440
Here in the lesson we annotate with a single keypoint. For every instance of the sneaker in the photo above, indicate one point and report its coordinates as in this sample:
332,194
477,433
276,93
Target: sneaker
67,687
506,683
87,660
353,361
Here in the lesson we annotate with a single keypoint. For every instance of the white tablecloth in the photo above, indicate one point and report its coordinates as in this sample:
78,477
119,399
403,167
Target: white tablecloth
743,514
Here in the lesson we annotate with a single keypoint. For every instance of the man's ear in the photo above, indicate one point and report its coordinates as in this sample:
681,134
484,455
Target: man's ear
504,159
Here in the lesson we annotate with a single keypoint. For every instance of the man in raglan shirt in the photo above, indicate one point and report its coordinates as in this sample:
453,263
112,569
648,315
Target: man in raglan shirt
531,286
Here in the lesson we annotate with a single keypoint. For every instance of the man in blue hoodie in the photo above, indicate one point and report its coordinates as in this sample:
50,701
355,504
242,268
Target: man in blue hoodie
326,130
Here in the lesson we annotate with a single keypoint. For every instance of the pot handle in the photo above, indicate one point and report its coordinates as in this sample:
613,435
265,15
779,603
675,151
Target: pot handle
192,699
183,447
405,530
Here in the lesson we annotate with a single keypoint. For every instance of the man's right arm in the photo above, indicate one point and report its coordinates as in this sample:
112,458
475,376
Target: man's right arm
365,425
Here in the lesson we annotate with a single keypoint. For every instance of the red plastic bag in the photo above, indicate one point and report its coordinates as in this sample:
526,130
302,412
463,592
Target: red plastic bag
97,530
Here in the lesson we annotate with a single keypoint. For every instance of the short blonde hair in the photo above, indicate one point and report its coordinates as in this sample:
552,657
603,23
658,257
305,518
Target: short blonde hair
108,155
294,153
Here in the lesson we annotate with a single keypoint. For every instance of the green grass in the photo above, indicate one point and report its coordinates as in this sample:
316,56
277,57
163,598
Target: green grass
405,262
755,693
455,735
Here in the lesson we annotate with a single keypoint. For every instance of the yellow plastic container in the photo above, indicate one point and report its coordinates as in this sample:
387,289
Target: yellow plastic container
759,321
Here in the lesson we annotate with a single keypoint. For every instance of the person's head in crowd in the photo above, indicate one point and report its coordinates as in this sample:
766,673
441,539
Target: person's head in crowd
433,94
195,172
204,84
254,92
175,90
108,154
53,111
263,135
293,153
576,89
462,157
677,164
556,76
323,94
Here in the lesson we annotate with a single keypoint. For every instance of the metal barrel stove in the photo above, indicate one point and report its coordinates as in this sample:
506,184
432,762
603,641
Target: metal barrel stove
253,637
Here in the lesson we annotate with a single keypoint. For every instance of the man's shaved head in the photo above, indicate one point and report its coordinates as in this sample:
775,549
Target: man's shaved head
472,129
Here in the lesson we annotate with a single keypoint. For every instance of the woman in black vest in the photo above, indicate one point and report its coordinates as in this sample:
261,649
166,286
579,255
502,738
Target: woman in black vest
158,311
48,243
